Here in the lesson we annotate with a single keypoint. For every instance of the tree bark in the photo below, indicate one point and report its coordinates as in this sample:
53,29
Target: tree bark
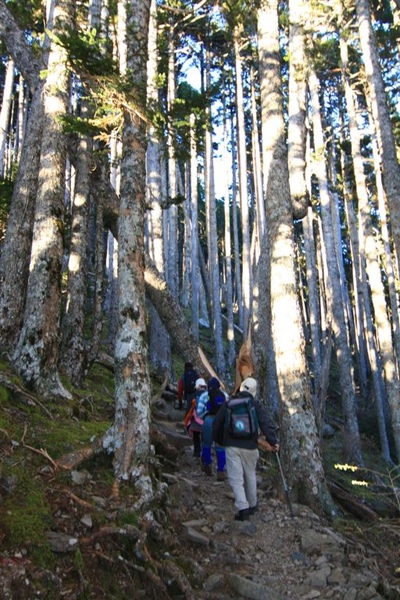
15,40
129,437
36,354
381,116
242,171
299,444
212,238
297,108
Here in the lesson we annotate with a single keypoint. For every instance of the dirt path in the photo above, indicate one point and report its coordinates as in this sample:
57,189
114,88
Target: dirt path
271,557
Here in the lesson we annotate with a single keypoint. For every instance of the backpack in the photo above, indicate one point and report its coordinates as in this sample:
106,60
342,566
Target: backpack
189,381
241,419
216,400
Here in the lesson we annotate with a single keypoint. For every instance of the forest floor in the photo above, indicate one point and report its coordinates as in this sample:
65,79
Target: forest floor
71,532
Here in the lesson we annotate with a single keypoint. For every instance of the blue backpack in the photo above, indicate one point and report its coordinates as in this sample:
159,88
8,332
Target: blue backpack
241,419
216,398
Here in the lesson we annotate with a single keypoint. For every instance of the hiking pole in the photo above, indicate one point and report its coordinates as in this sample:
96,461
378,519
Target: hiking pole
285,485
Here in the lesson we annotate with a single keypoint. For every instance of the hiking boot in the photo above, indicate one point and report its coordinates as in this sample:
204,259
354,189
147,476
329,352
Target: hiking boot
207,469
253,509
242,515
221,475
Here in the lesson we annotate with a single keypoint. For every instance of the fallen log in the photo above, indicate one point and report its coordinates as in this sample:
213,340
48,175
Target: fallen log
351,503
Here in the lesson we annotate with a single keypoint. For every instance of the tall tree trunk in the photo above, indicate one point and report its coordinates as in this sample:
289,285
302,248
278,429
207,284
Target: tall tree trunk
314,312
172,260
352,442
228,251
243,195
72,358
388,258
15,255
381,116
159,341
194,275
18,48
297,107
260,224
235,225
36,354
129,434
212,240
22,119
5,114
369,255
302,460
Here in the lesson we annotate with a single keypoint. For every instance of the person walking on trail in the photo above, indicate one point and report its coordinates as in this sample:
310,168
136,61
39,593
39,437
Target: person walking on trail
186,386
209,404
236,426
193,422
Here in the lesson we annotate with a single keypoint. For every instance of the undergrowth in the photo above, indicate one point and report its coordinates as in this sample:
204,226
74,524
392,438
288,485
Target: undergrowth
32,493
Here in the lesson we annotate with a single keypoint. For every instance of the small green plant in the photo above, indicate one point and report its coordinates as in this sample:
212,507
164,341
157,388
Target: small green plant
78,560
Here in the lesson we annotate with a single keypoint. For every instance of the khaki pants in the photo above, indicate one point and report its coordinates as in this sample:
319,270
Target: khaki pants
241,470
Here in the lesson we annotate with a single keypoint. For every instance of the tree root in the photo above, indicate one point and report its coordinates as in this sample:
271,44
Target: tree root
16,389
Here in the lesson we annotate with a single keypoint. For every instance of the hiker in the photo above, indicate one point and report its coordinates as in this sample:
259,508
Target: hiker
208,406
239,435
193,422
186,386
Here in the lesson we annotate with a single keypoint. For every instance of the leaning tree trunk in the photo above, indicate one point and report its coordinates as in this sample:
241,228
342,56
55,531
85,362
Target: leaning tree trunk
300,443
157,289
36,355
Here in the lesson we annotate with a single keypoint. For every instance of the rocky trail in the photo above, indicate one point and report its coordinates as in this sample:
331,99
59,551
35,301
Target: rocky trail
189,547
274,556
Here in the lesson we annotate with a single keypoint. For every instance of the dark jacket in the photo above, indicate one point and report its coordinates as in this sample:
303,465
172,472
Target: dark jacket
266,425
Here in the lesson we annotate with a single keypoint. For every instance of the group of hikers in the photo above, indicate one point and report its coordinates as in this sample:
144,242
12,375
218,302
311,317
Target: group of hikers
231,427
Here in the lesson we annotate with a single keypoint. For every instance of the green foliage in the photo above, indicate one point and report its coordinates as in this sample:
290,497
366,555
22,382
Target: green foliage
27,517
325,55
88,54
29,14
77,125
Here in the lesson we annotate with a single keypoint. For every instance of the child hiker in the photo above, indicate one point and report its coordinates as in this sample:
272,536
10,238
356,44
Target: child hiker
208,406
193,422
